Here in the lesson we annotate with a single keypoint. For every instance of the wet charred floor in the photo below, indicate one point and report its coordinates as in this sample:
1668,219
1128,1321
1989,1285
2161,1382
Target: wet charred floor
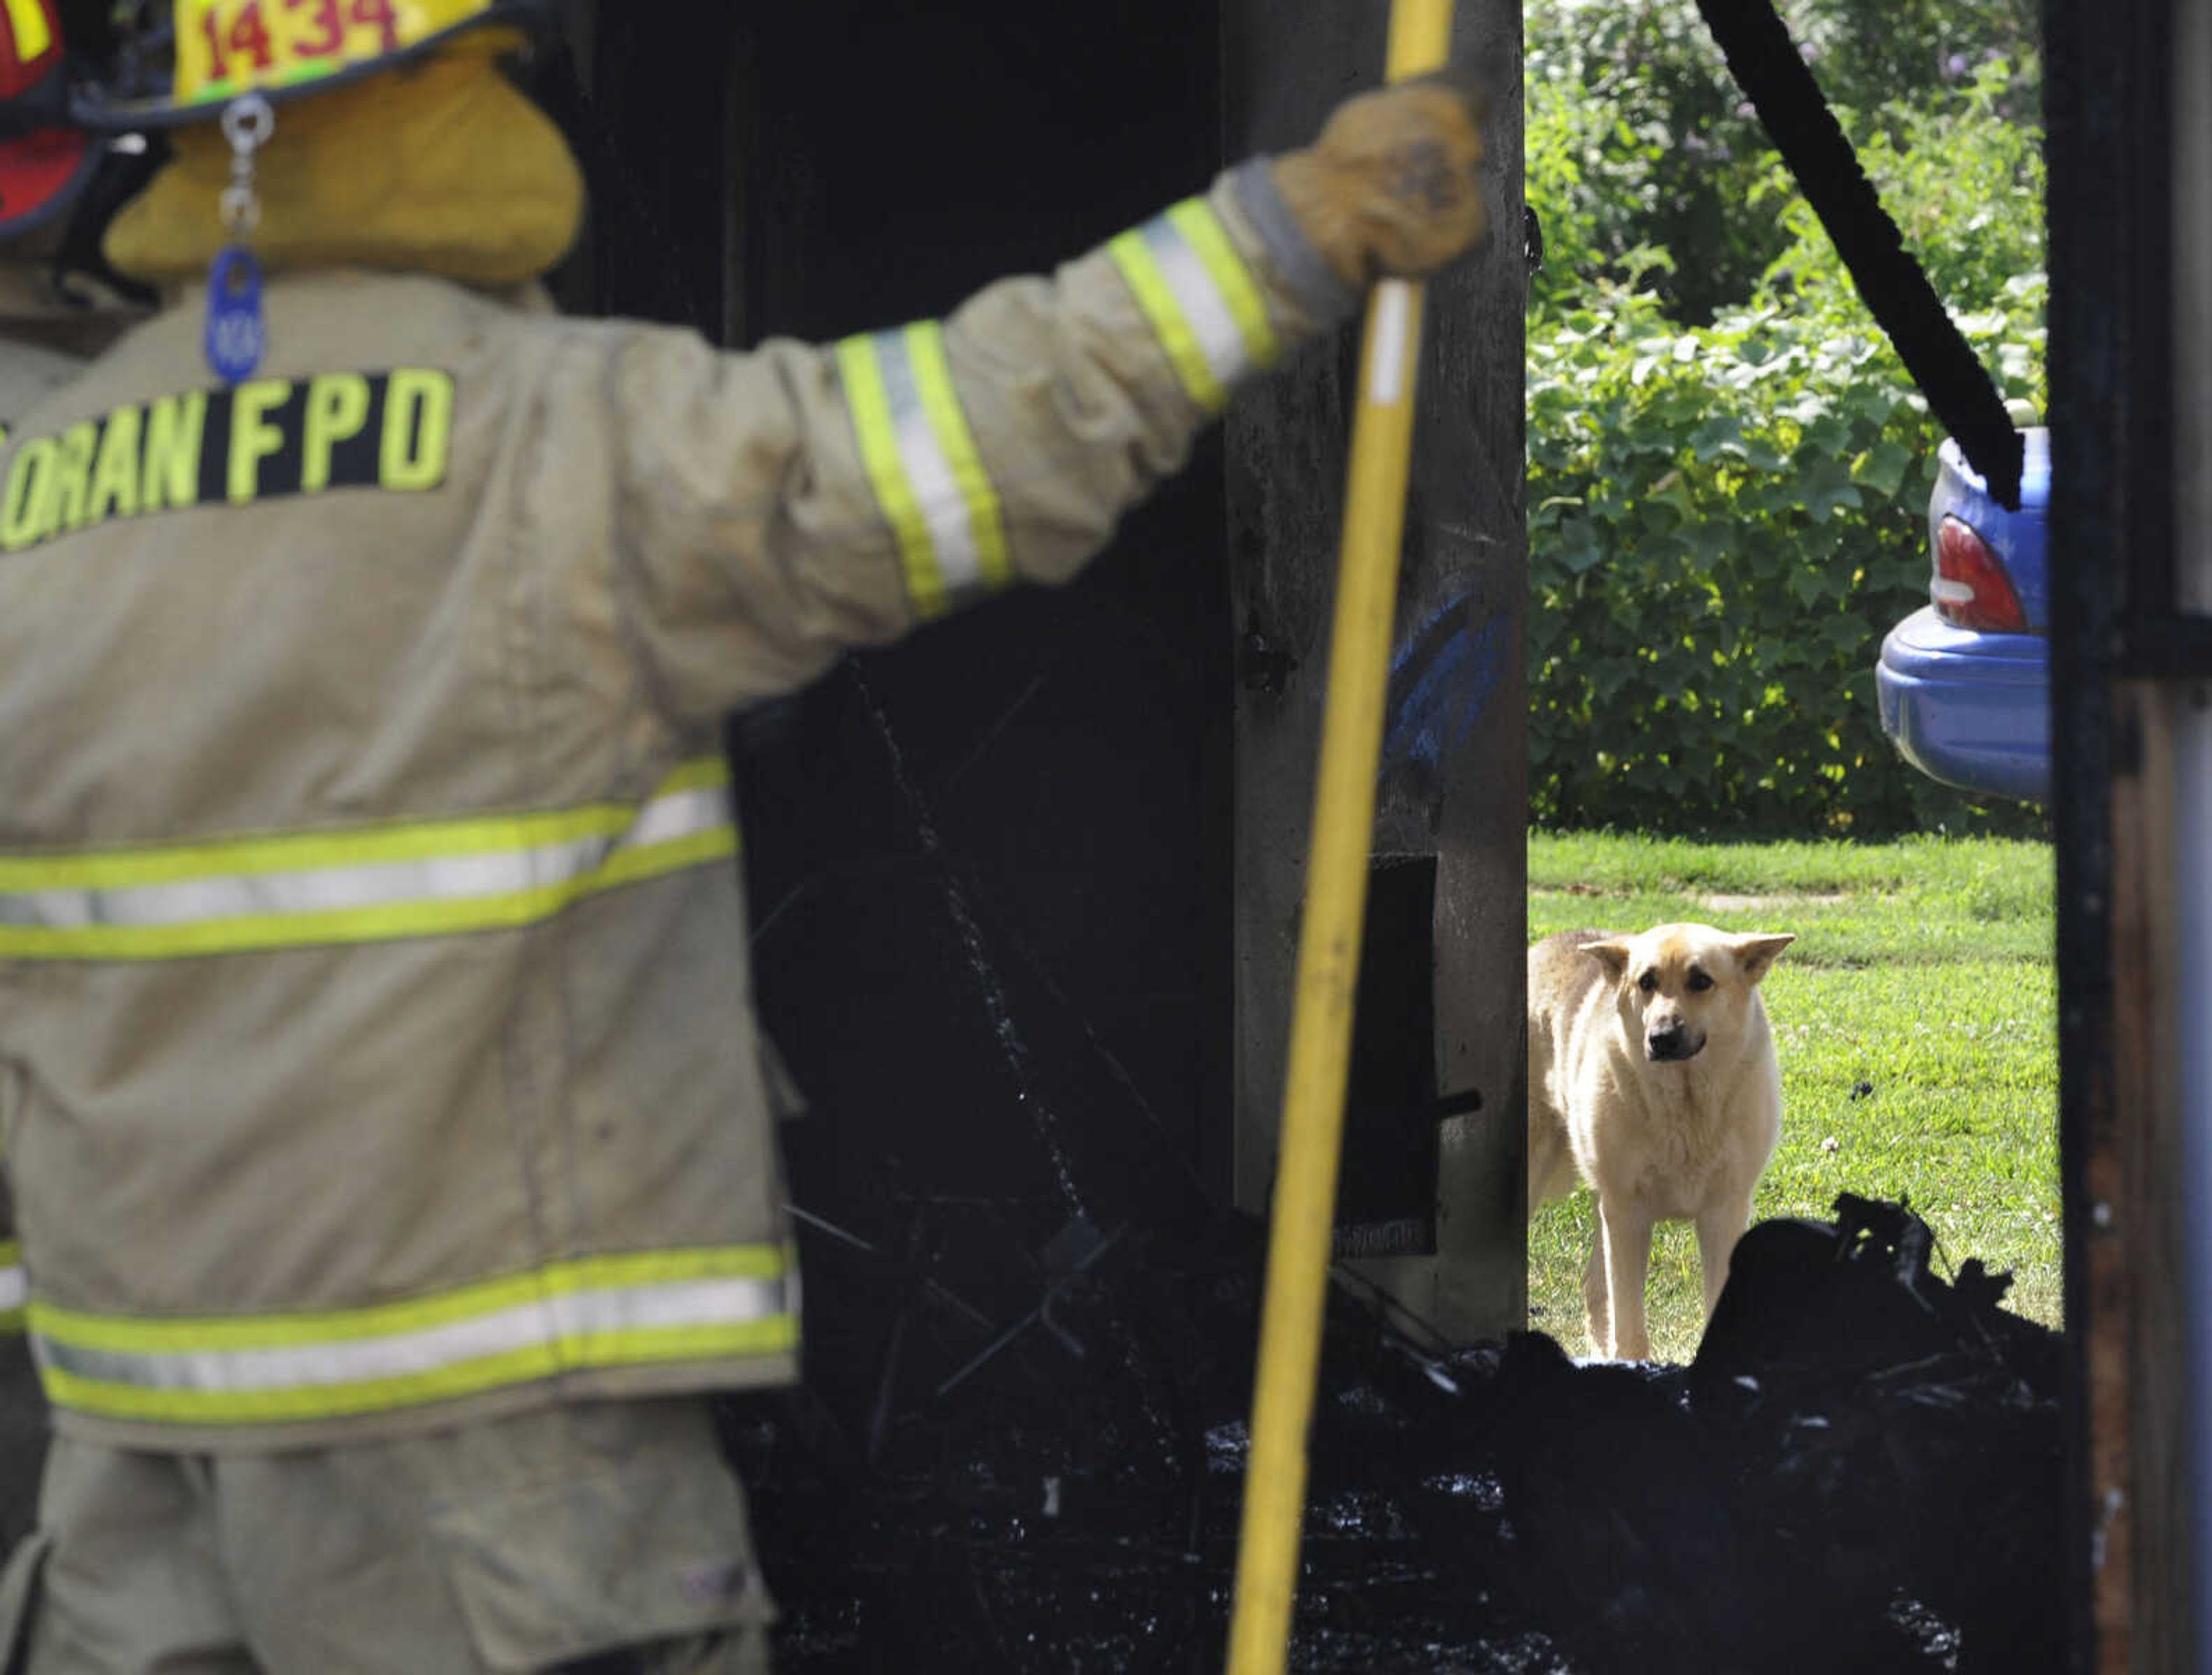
1861,1470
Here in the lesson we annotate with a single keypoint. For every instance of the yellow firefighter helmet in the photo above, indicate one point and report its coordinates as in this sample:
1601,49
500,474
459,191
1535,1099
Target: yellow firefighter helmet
184,60
46,162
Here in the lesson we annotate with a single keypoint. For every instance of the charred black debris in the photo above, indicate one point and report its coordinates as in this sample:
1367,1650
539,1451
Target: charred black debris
1860,1471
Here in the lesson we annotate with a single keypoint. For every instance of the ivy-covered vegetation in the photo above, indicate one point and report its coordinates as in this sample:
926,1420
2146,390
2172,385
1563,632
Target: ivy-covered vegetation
1728,468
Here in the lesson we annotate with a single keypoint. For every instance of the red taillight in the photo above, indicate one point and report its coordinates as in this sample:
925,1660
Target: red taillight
1971,589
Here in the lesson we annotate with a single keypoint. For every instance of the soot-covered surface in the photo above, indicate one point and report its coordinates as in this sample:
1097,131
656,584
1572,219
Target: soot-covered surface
1860,1471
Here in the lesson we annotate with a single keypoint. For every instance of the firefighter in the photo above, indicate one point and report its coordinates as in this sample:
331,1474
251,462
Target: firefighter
377,1058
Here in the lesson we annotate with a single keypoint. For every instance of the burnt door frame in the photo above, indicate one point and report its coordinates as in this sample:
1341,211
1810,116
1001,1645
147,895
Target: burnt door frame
1441,1223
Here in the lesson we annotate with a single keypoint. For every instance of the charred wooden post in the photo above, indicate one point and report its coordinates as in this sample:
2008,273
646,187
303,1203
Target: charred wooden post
2131,656
1433,1187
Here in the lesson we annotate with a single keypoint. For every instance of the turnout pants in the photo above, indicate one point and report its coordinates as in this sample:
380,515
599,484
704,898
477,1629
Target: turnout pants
600,1538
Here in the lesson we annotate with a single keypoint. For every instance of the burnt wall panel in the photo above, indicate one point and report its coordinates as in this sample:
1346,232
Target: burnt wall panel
989,864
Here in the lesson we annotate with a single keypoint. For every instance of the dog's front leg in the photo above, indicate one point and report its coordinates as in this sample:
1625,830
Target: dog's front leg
1594,1299
1719,1226
1624,1234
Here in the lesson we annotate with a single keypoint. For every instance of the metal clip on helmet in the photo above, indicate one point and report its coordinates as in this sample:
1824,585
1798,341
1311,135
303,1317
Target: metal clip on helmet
188,65
45,163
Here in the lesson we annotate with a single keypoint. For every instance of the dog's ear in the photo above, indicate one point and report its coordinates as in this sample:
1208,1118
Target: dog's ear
1614,956
1754,954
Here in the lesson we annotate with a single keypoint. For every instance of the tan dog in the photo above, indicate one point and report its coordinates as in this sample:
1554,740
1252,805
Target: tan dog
1652,1076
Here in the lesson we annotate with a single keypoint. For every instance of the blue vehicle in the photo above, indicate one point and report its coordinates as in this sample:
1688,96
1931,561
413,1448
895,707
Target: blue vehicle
1965,681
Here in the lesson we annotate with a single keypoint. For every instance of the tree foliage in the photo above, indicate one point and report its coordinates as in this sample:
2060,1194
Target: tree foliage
1729,469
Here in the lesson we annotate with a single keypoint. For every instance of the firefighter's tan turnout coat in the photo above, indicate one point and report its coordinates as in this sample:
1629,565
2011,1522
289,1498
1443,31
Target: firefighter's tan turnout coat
29,372
42,347
376,1049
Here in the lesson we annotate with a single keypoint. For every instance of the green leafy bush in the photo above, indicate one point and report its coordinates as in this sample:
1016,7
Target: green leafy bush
1724,521
1728,480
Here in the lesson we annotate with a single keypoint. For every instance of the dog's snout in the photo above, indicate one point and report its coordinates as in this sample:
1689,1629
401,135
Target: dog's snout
1671,1040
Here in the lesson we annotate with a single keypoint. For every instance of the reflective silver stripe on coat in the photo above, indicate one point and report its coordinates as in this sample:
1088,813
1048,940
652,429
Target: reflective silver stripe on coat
936,487
1205,310
547,1323
674,814
664,819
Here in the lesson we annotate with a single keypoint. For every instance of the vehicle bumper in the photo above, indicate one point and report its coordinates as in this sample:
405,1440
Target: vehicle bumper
1970,710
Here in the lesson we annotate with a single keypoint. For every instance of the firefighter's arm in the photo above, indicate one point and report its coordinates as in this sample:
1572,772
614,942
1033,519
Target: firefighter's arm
779,506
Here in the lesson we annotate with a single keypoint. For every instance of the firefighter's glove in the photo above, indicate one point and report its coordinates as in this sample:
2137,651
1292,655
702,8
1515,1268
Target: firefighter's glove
1393,185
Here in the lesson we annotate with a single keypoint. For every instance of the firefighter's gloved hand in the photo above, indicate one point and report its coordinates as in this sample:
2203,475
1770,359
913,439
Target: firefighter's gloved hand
1392,186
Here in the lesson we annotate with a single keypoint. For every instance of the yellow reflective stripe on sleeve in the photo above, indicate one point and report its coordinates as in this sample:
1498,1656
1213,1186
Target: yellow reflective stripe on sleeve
1176,340
940,404
436,878
1202,231
595,1312
1204,306
879,453
921,460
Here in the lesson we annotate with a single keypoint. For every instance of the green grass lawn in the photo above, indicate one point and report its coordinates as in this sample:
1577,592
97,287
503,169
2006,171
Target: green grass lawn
1916,1018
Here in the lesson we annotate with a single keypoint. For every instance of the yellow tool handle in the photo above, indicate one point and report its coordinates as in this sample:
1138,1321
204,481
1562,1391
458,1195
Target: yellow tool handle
1329,940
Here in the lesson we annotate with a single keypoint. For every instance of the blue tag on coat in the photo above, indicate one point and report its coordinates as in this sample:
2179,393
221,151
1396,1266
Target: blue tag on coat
235,335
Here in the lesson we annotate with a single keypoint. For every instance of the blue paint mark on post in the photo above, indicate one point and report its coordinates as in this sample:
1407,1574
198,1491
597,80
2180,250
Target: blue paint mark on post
1440,681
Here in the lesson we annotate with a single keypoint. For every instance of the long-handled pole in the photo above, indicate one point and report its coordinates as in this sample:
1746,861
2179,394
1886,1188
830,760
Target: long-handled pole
1329,939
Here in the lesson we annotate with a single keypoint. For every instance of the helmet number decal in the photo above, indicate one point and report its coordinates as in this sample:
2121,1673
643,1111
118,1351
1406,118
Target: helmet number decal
329,26
230,46
248,40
